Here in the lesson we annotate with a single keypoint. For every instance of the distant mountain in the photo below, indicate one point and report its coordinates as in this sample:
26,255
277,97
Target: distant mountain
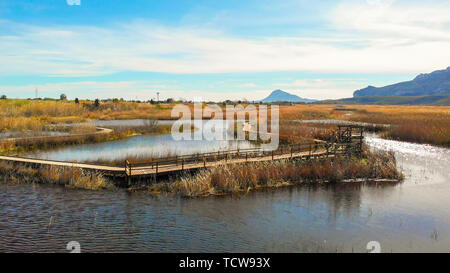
434,83
394,100
280,95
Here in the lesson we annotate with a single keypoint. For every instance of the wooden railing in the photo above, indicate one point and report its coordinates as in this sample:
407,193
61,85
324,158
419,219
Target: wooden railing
318,148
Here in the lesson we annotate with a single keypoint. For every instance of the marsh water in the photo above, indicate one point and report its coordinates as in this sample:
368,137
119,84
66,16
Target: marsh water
413,216
140,146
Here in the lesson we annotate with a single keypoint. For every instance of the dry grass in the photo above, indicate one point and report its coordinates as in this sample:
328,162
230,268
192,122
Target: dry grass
422,124
228,179
69,177
19,115
292,132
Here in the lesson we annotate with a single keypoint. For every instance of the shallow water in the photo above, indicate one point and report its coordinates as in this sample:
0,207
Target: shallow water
409,217
32,134
142,146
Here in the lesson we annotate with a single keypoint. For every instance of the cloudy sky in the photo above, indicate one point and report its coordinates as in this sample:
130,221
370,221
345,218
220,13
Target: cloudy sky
216,50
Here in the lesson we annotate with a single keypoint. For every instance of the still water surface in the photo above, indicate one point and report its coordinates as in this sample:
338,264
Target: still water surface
412,216
141,146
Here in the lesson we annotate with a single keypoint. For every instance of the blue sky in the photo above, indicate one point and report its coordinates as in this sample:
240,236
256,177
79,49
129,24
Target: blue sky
217,50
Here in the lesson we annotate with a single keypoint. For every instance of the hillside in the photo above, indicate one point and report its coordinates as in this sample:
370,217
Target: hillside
394,100
434,83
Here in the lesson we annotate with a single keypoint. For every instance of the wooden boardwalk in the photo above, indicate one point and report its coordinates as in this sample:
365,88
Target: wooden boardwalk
318,149
33,161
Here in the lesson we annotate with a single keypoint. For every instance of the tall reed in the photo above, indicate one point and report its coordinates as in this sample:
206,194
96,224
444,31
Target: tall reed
69,177
225,179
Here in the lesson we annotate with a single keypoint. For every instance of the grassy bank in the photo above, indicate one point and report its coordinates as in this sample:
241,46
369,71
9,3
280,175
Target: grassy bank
34,115
69,177
79,135
420,124
227,179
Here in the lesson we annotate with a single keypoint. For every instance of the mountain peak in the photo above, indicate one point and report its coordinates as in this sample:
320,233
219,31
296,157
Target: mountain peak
280,95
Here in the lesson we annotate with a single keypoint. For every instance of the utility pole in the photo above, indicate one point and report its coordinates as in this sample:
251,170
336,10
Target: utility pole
36,93
157,96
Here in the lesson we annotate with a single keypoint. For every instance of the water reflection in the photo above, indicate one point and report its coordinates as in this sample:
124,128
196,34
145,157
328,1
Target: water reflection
408,217
142,146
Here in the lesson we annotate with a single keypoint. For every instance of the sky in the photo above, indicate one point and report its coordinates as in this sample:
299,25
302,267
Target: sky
216,50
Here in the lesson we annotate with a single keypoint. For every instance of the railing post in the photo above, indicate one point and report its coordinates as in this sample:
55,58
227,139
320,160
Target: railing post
156,166
272,154
291,151
182,164
360,141
126,167
204,162
246,156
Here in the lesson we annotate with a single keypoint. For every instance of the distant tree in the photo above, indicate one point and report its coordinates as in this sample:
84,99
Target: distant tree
77,101
96,103
115,100
63,97
169,100
152,101
3,97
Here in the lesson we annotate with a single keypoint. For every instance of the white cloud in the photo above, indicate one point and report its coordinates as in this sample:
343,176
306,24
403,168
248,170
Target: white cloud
375,38
247,85
322,88
123,89
392,22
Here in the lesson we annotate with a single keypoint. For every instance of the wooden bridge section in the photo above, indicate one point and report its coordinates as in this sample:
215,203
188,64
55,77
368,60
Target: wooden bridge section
348,141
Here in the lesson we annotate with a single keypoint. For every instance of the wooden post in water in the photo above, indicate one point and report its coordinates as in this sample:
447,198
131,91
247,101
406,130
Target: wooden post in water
360,141
128,169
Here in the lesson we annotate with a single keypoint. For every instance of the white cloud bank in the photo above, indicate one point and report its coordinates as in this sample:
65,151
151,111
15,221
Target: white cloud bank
373,37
